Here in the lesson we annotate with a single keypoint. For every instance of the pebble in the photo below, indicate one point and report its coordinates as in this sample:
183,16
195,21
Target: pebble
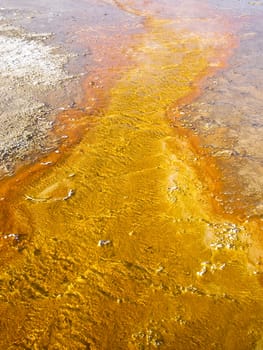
11,235
103,242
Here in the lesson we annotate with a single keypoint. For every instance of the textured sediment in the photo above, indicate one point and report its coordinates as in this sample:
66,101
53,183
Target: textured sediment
120,245
30,72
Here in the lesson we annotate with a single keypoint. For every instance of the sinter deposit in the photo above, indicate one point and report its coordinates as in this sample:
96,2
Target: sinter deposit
29,71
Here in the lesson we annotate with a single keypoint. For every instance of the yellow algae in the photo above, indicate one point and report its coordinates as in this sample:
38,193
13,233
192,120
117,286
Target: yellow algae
173,274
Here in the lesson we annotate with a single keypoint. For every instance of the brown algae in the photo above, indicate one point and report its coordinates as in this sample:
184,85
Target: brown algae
175,275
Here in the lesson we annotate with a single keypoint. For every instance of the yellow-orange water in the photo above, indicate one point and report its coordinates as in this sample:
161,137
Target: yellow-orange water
175,274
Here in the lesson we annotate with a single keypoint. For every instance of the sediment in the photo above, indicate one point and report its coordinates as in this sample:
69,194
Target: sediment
172,271
31,70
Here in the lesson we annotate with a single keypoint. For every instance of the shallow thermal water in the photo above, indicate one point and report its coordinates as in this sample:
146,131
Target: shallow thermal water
131,240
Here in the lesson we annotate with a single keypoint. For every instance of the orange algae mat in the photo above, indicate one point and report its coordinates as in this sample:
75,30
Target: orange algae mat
122,246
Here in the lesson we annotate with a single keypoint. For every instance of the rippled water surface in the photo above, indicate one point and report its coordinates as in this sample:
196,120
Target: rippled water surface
146,232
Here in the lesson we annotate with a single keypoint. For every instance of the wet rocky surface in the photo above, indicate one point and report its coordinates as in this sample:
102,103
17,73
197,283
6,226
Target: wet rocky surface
32,69
228,118
45,55
118,245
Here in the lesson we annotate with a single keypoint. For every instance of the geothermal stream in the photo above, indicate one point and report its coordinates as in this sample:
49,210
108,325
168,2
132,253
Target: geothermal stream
136,224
